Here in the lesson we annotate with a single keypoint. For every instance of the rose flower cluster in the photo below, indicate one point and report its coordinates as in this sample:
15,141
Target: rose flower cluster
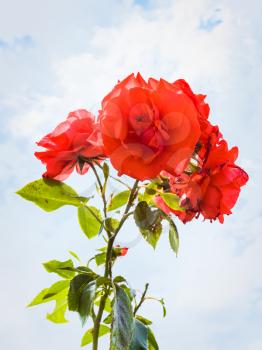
150,130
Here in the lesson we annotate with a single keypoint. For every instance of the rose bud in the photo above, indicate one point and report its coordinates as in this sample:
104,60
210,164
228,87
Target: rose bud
118,251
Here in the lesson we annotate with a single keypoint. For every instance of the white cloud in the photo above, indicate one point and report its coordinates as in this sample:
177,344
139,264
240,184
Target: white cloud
164,42
159,43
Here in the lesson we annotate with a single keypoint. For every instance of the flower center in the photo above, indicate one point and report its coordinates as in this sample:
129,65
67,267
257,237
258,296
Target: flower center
140,118
156,135
147,125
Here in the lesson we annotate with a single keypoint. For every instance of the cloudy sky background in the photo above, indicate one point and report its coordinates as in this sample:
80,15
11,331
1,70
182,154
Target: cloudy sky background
60,55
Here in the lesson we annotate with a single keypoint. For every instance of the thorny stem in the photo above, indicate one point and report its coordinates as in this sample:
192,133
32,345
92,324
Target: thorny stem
108,263
141,300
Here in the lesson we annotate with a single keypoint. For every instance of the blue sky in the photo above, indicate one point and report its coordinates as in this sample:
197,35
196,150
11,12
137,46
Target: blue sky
56,56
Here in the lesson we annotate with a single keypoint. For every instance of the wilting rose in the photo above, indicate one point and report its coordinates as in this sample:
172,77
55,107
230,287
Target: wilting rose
212,190
150,126
71,143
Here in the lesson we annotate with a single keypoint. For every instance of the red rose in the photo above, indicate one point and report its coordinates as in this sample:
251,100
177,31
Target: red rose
149,127
221,182
212,190
77,137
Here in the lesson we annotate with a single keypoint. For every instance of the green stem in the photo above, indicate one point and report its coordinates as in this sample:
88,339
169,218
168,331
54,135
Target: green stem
98,319
101,188
108,264
142,299
93,315
131,199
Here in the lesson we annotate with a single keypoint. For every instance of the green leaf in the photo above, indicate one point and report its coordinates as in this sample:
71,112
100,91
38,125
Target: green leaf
119,200
149,193
144,320
58,293
88,336
131,293
106,170
77,285
152,343
106,175
108,319
140,336
78,269
86,300
162,302
84,269
149,222
60,268
122,324
119,279
100,258
74,255
58,314
102,280
173,236
153,234
103,249
51,293
144,216
90,220
111,224
108,307
172,201
51,194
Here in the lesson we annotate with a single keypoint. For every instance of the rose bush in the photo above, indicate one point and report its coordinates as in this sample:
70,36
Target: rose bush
156,131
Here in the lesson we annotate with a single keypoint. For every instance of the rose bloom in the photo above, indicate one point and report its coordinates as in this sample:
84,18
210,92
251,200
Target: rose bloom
212,190
150,126
74,140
